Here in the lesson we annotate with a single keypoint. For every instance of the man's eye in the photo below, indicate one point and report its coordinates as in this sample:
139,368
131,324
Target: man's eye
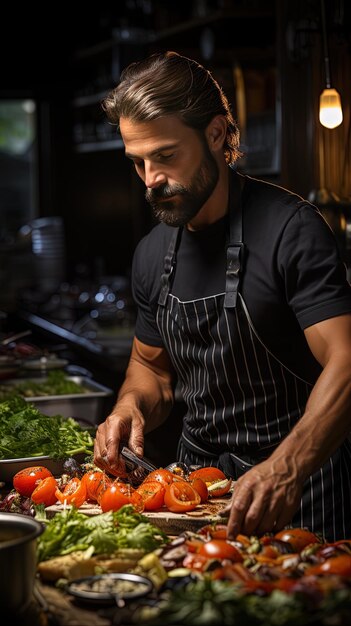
166,157
139,164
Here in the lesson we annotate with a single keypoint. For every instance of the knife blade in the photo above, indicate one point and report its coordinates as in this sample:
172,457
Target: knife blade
132,460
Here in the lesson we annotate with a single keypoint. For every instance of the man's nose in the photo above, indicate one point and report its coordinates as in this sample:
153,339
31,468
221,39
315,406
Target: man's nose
154,177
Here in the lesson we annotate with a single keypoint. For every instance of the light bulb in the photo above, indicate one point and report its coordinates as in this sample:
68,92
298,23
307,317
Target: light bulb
330,111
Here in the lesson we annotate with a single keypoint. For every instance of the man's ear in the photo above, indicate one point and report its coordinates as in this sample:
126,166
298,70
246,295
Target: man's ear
216,132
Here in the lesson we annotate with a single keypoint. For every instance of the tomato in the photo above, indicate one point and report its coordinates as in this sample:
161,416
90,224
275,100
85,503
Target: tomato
214,531
298,538
118,494
216,481
95,482
27,479
220,549
195,561
74,493
219,488
208,474
153,494
44,493
201,488
164,476
181,497
339,565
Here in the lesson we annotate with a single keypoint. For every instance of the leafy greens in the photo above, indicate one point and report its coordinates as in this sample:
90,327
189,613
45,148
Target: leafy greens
26,432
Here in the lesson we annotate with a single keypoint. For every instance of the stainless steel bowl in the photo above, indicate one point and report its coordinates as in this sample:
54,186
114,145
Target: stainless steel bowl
18,560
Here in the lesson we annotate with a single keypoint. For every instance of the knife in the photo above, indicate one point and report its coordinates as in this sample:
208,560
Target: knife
132,460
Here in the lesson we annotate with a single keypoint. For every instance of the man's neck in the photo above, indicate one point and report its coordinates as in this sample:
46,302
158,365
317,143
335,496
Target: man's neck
216,206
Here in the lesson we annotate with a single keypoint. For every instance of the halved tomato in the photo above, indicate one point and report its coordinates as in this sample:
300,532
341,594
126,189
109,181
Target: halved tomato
95,482
74,493
26,480
118,494
298,538
216,481
45,491
201,488
153,494
181,497
220,549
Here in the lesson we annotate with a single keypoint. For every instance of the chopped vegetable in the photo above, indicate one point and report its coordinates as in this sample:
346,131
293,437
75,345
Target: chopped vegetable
26,432
71,531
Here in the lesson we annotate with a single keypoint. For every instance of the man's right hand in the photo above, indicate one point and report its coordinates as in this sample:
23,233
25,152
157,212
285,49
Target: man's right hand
123,427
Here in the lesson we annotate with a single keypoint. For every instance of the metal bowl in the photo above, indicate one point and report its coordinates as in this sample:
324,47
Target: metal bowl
85,589
10,467
18,557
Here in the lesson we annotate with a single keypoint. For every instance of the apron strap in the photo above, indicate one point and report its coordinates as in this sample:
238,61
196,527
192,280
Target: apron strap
169,265
235,248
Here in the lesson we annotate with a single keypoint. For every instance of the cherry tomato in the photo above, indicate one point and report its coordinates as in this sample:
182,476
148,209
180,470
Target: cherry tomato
27,479
181,497
216,481
164,476
74,493
298,538
44,493
118,494
220,549
201,488
339,565
95,482
153,494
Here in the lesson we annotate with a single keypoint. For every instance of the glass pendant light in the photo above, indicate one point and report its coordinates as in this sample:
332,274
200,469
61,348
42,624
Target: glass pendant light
330,110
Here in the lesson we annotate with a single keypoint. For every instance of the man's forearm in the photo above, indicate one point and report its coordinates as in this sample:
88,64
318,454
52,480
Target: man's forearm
326,421
149,391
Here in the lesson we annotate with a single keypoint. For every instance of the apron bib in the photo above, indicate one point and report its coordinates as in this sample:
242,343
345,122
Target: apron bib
241,400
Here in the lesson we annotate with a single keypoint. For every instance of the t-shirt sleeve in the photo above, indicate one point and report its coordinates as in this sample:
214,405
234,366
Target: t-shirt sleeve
146,329
312,268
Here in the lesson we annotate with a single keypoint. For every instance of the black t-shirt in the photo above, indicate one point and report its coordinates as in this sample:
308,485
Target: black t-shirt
292,278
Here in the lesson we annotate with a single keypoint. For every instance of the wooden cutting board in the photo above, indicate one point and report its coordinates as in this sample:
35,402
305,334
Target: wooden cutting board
170,523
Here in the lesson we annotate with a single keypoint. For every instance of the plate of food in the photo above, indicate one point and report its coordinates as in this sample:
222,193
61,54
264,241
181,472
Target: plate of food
112,588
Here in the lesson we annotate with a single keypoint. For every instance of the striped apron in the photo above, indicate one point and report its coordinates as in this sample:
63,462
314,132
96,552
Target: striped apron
241,400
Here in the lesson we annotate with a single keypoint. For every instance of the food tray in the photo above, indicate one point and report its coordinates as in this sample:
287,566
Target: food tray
10,467
89,406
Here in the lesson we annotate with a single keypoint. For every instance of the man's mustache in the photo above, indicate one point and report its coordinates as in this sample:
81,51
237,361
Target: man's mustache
163,192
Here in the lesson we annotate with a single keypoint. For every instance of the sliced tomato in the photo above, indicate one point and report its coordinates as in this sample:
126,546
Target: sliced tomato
181,497
216,481
298,538
74,493
195,561
214,531
26,480
339,565
220,549
45,491
164,476
219,487
153,494
201,488
95,482
118,494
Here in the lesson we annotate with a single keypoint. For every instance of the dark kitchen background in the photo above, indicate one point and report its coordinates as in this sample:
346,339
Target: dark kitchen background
71,207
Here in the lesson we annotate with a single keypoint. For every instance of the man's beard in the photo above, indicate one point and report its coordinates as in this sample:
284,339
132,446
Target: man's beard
190,199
